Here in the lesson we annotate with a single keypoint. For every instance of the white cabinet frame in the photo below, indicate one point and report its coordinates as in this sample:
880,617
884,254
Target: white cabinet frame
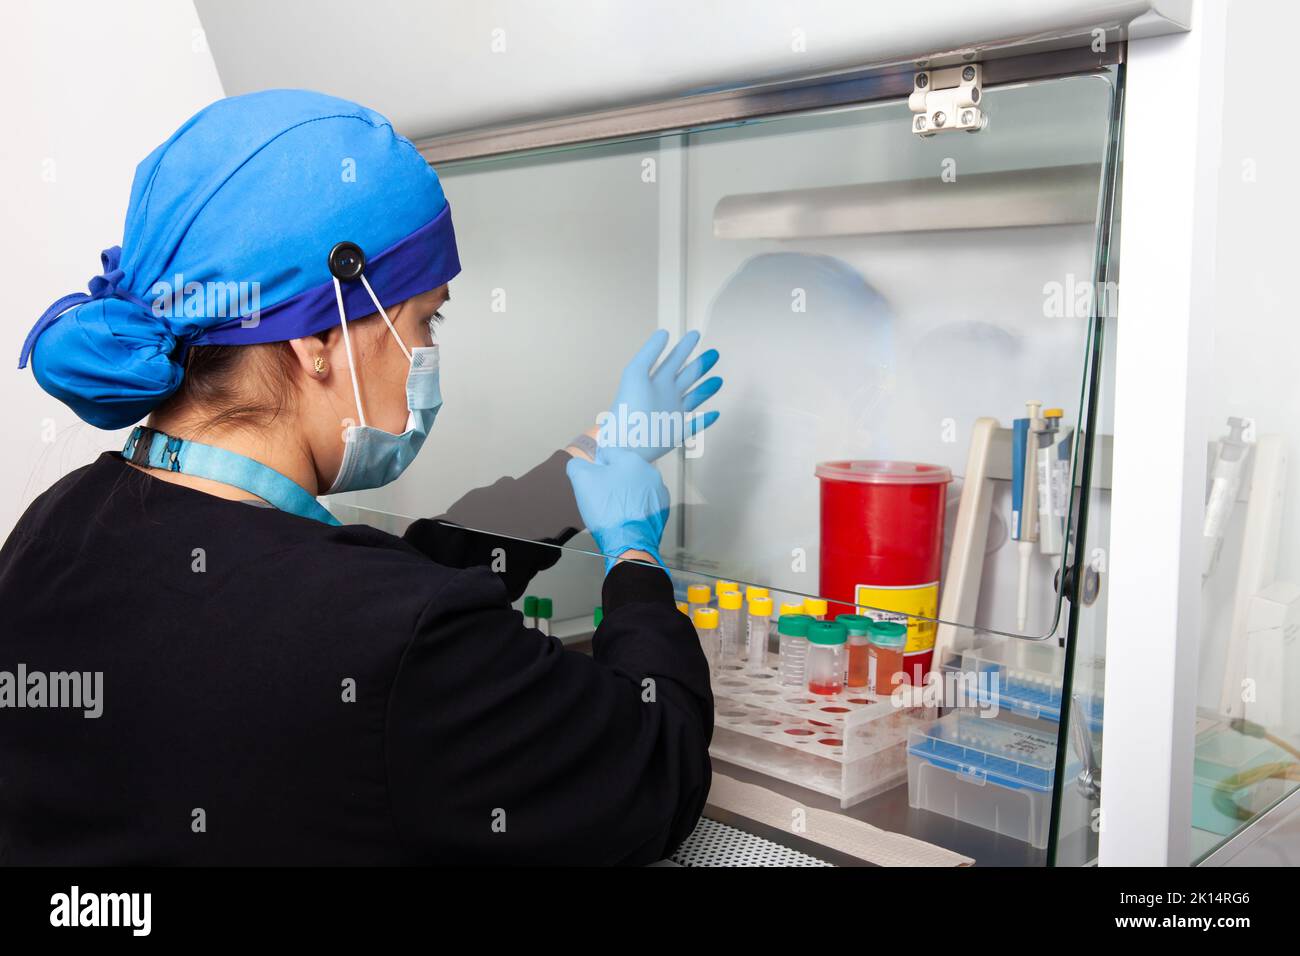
1173,118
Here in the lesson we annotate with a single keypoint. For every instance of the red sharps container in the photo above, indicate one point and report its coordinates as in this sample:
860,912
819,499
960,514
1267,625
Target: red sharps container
882,546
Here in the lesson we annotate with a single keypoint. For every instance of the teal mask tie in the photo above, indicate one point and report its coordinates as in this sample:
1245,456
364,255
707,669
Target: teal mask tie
147,446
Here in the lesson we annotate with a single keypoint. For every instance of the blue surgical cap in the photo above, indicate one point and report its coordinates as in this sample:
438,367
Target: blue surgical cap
227,239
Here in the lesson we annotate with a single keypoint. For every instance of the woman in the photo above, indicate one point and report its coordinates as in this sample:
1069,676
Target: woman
272,687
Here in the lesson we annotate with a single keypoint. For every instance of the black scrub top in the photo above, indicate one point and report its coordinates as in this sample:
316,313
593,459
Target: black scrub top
228,733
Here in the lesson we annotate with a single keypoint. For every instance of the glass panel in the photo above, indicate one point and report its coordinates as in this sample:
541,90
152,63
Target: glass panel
1247,735
873,295
845,339
1080,664
1081,660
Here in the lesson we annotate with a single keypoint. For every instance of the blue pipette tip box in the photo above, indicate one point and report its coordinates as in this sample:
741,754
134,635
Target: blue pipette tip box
988,749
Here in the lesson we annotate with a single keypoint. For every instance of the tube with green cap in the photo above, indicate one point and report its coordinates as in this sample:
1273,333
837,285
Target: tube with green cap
793,651
530,610
858,627
825,659
545,611
885,659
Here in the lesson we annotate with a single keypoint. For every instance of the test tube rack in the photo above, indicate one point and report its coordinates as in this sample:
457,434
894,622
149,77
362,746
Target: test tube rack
849,746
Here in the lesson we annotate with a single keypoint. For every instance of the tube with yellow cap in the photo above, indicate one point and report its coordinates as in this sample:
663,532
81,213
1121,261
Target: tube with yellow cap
815,608
729,613
706,627
752,592
697,596
760,626
722,587
791,607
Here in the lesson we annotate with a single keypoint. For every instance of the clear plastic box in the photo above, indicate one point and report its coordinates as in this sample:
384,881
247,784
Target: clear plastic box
986,772
1029,679
1234,777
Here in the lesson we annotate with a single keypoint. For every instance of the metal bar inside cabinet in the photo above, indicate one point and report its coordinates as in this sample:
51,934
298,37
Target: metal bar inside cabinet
1050,196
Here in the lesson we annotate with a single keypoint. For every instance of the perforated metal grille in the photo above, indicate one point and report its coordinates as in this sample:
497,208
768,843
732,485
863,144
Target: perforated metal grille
716,844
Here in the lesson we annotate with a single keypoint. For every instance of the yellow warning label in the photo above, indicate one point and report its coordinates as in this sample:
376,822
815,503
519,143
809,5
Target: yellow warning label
905,605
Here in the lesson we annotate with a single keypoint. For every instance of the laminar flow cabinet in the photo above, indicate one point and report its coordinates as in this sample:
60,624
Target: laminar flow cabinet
897,235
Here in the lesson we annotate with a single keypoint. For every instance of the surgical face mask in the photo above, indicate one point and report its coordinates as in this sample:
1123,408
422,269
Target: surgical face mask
373,457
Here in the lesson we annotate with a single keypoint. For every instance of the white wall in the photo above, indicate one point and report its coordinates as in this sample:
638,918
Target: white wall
93,87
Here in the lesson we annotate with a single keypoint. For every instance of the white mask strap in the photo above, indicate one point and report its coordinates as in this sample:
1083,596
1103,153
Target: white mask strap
400,344
347,343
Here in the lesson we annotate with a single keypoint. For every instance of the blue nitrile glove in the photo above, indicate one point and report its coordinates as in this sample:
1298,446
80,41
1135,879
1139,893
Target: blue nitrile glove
650,411
623,501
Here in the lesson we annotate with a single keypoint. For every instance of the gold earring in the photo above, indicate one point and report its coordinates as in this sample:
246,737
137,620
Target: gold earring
319,365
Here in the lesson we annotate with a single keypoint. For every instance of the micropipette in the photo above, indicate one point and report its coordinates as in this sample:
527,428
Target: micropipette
1019,446
1027,525
1225,483
1054,482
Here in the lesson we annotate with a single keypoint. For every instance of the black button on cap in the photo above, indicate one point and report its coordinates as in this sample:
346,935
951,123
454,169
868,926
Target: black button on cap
346,261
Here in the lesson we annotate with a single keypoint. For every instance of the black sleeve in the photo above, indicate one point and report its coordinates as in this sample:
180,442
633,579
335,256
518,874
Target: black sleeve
505,748
537,507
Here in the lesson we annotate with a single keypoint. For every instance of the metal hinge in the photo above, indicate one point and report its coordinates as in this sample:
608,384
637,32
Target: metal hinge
948,99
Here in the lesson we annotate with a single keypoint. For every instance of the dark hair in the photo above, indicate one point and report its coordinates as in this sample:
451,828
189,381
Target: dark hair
216,385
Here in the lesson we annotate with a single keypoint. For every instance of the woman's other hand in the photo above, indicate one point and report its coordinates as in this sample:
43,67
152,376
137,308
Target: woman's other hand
652,412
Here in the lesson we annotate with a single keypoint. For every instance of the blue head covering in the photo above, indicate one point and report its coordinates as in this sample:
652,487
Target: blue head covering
228,233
